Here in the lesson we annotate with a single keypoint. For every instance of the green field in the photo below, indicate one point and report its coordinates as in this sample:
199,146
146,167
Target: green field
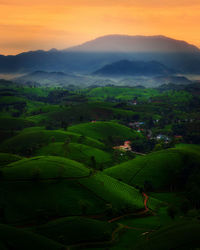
13,238
73,230
182,235
10,123
105,131
122,93
5,159
28,141
78,152
44,167
160,168
74,190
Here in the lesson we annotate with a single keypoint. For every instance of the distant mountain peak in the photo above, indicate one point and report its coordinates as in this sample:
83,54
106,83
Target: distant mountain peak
134,68
139,43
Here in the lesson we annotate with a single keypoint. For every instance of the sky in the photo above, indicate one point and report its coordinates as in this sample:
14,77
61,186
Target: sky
44,24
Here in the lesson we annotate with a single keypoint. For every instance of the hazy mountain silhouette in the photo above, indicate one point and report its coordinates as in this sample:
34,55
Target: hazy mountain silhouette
124,43
95,54
135,68
48,78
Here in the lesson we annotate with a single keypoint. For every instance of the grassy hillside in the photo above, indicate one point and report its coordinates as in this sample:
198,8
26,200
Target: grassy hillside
5,159
27,142
44,167
39,188
78,113
78,152
119,194
122,93
183,235
75,229
11,100
10,123
105,131
13,238
160,168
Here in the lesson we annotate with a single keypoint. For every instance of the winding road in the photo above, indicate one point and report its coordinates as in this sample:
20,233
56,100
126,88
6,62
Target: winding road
145,197
118,229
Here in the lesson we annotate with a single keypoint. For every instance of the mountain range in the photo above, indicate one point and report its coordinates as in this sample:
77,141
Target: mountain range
93,55
124,43
134,68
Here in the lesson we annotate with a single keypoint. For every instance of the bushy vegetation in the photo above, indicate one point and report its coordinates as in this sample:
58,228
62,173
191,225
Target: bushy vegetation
28,141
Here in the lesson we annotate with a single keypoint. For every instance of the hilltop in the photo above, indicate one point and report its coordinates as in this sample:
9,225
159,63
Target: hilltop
125,43
134,68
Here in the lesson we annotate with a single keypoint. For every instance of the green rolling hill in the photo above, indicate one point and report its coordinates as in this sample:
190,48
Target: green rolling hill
105,131
74,190
161,168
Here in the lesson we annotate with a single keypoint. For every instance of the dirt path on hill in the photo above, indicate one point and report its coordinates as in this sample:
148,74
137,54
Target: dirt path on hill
117,230
146,197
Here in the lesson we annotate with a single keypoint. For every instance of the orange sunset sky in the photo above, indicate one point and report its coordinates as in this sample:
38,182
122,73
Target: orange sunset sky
45,24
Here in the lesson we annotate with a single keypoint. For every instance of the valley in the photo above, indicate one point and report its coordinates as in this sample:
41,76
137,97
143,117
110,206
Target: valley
99,167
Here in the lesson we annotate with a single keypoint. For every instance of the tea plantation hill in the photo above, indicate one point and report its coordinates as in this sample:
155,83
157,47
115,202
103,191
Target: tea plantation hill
88,230
142,95
105,131
74,190
161,170
179,235
15,238
89,143
84,112
58,234
88,155
28,141
11,123
5,159
81,142
9,126
122,93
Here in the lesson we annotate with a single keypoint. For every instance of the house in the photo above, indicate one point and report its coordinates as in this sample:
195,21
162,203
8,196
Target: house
125,147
